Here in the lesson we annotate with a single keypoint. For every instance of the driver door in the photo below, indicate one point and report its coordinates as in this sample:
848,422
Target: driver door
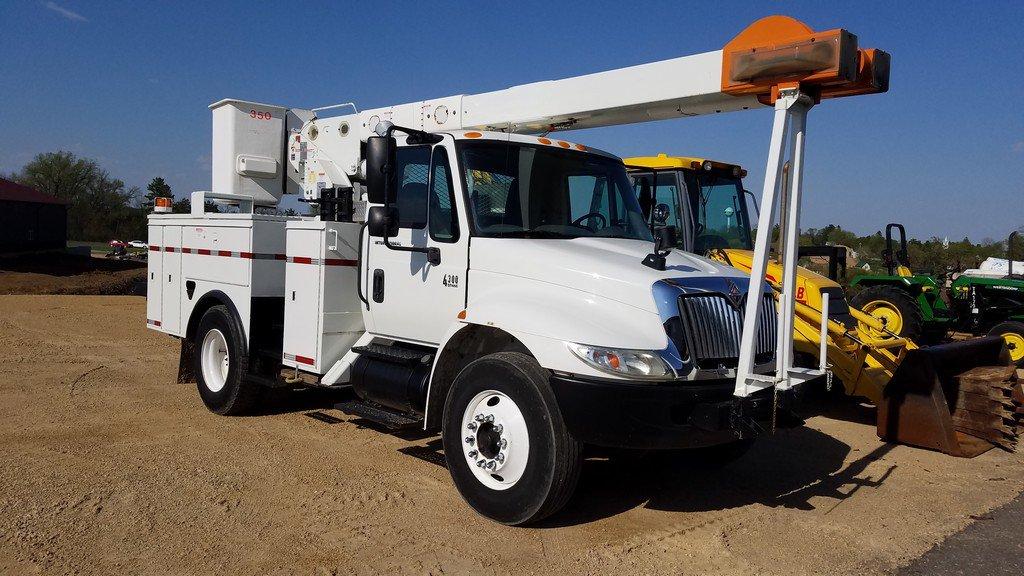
411,299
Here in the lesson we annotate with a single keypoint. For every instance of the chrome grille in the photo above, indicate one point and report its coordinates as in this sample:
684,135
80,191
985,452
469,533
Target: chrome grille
713,327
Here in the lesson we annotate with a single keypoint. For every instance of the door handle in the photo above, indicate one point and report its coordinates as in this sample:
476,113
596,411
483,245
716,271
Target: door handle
334,246
378,285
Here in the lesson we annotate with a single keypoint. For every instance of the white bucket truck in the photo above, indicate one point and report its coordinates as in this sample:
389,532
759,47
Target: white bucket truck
468,274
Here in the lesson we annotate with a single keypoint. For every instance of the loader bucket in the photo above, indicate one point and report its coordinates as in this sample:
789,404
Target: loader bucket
956,398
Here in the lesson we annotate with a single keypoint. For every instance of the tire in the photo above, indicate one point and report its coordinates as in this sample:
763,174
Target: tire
893,306
221,365
524,486
1013,333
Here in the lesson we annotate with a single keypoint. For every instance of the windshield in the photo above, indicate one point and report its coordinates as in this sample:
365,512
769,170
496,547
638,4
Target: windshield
526,191
721,212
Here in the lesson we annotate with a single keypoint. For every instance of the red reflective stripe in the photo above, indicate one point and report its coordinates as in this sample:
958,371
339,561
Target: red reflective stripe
304,360
302,260
339,262
153,322
203,251
186,250
246,255
223,252
154,248
168,248
280,257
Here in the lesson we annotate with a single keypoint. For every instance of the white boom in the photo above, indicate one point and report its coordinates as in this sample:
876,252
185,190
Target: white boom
776,61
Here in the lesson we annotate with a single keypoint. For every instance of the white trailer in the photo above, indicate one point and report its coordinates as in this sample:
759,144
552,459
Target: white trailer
470,275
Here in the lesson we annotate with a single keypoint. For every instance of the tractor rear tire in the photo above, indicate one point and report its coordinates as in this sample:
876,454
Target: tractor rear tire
1013,333
892,305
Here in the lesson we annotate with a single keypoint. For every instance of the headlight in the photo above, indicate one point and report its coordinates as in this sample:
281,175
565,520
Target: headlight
633,363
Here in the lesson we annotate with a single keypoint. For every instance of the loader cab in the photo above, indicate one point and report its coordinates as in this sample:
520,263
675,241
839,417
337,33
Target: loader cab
707,199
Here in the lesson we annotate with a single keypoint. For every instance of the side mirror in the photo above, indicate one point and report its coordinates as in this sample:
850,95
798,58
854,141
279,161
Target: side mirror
380,168
378,219
661,212
666,237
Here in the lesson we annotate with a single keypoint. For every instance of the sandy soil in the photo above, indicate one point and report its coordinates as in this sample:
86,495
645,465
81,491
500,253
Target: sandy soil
108,466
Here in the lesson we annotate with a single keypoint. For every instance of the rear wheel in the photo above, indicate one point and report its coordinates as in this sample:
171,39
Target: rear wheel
507,448
222,364
896,309
1013,333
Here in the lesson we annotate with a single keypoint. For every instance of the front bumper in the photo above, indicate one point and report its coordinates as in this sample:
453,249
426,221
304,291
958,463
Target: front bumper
622,414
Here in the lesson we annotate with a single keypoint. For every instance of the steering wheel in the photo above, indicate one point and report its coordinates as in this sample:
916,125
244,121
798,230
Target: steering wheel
579,221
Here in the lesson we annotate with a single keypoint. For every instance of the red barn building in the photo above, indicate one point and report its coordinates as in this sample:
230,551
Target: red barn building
31,220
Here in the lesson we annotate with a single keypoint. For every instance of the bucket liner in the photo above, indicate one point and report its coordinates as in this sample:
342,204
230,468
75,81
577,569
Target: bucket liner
956,398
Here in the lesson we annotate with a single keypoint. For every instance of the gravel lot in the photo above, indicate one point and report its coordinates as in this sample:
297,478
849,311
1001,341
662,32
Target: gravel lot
109,466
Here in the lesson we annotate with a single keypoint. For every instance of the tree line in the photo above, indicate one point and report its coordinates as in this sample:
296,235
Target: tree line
937,256
100,207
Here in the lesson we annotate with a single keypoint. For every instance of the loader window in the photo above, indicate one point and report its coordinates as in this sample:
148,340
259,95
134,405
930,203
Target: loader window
721,210
527,191
444,226
413,166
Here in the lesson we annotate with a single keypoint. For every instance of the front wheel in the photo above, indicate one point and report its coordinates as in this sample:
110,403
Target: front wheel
507,448
894,308
1012,333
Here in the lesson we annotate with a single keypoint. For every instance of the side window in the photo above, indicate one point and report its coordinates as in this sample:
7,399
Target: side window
444,225
413,166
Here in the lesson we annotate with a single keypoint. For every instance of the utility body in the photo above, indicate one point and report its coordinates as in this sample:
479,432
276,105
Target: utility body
465,273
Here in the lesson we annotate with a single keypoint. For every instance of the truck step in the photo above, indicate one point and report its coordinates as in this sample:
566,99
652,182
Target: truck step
394,354
386,417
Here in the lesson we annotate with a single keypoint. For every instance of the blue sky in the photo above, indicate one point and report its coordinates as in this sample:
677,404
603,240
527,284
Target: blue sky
128,83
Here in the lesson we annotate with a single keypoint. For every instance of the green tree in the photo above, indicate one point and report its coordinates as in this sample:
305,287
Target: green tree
157,188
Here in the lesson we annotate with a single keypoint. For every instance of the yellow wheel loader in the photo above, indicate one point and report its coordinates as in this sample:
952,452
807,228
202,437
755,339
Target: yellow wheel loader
960,398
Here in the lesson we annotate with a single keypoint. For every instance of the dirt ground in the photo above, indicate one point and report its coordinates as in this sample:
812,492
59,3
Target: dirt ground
109,466
57,273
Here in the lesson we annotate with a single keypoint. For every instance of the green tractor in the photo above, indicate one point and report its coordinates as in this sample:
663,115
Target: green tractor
914,306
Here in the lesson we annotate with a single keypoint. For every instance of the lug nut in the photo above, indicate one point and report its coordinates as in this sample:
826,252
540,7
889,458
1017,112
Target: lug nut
489,418
480,464
503,443
500,457
479,417
470,440
498,428
490,465
471,426
472,454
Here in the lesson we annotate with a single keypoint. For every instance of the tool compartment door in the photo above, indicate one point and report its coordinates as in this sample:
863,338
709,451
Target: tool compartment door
171,280
302,317
154,281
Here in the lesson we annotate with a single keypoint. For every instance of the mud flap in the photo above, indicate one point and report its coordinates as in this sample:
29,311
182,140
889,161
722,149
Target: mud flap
955,398
186,373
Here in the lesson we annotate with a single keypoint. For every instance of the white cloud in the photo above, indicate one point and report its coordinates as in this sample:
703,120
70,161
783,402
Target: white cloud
69,14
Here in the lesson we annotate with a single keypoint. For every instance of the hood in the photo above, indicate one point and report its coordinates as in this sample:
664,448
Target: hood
609,267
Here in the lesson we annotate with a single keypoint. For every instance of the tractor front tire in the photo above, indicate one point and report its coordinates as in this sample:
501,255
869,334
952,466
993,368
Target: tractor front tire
1012,333
895,308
